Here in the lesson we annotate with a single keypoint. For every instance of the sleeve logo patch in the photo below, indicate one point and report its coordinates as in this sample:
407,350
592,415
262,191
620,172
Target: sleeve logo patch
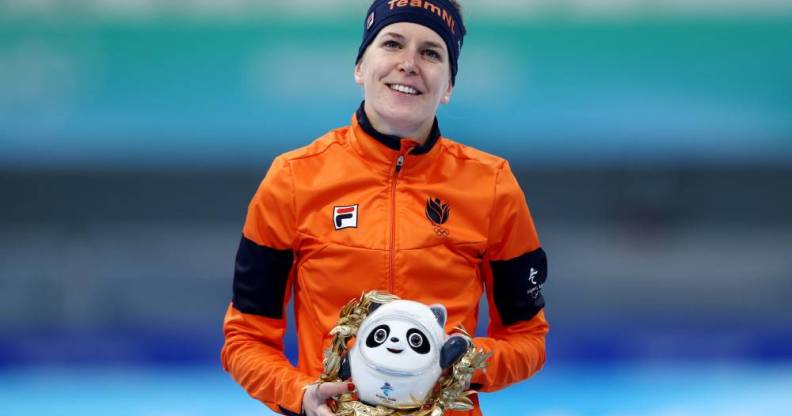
345,217
532,276
536,287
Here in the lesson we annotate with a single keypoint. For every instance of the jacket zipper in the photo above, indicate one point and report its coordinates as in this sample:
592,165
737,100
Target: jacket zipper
392,271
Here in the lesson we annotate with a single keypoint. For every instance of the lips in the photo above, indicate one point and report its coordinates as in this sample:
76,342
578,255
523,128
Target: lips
395,351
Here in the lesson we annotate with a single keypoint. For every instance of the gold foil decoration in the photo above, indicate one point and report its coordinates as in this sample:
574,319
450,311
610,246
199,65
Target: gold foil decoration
450,392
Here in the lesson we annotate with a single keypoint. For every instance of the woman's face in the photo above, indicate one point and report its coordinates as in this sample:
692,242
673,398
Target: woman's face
405,74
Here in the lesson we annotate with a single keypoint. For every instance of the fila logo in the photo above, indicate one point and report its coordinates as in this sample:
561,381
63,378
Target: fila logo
345,217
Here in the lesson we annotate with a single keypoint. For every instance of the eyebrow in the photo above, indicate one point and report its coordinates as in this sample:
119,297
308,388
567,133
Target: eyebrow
433,45
427,43
393,34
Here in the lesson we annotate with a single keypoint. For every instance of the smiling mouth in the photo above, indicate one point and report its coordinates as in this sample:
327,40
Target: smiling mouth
395,351
404,89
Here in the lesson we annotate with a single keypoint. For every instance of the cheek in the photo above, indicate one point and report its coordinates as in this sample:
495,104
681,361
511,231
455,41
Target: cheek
420,360
439,84
370,82
365,74
378,355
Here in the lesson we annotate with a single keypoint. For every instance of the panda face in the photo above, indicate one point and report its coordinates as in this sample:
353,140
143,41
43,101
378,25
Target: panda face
398,345
415,340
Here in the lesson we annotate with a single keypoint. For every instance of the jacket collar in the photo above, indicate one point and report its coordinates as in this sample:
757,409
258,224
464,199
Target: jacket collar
396,142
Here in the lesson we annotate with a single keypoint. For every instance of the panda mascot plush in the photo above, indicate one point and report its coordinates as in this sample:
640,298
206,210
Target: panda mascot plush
399,353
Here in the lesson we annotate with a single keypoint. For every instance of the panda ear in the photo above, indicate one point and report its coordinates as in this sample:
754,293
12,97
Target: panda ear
373,307
439,312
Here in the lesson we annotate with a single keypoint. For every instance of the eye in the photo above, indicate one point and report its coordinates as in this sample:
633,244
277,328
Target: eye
377,336
391,44
415,340
418,341
380,335
433,55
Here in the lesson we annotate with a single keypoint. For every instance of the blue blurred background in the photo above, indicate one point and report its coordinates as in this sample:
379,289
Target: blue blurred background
653,140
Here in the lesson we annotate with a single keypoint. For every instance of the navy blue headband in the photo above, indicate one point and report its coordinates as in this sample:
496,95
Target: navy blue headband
438,15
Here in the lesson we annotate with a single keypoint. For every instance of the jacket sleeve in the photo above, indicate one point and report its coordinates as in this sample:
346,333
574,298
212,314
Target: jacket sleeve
254,324
514,270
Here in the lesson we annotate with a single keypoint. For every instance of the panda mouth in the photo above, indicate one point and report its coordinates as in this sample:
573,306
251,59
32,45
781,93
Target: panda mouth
395,351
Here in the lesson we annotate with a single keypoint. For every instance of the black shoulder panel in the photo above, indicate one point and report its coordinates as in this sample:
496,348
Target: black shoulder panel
517,286
260,277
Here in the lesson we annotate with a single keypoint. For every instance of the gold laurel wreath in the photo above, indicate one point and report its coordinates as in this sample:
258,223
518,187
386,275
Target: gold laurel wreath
449,392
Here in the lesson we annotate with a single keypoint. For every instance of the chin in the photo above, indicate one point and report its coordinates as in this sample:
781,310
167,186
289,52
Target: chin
404,116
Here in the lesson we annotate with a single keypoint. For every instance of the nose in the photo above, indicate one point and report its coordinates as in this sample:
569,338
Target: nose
407,63
394,339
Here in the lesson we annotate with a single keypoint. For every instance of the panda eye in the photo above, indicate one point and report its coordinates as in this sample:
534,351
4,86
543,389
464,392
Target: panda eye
415,340
380,335
418,341
377,336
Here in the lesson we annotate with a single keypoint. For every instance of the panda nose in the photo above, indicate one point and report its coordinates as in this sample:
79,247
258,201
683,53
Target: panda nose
394,339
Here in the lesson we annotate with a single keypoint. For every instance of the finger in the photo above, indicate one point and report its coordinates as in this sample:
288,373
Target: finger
334,389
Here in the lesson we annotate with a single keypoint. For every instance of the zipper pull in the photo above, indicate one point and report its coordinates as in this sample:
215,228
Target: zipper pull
399,163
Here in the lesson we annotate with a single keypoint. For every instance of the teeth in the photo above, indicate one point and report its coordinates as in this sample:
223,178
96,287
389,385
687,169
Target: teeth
404,89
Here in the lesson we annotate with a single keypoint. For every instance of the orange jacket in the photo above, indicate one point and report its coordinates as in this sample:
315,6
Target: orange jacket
357,210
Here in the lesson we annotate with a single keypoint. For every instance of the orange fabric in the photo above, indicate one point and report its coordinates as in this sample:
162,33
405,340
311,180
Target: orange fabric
394,248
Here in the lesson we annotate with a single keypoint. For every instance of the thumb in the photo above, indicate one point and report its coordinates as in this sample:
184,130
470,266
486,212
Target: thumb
327,390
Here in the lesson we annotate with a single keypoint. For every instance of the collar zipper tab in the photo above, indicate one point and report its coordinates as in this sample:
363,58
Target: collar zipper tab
399,163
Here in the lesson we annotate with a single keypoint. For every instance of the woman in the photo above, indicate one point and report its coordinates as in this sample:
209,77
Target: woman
386,203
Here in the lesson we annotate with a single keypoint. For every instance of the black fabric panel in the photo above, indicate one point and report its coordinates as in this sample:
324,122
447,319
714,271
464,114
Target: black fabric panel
260,277
517,286
288,412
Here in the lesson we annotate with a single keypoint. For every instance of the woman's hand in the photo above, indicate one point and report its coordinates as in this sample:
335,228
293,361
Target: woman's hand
315,398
